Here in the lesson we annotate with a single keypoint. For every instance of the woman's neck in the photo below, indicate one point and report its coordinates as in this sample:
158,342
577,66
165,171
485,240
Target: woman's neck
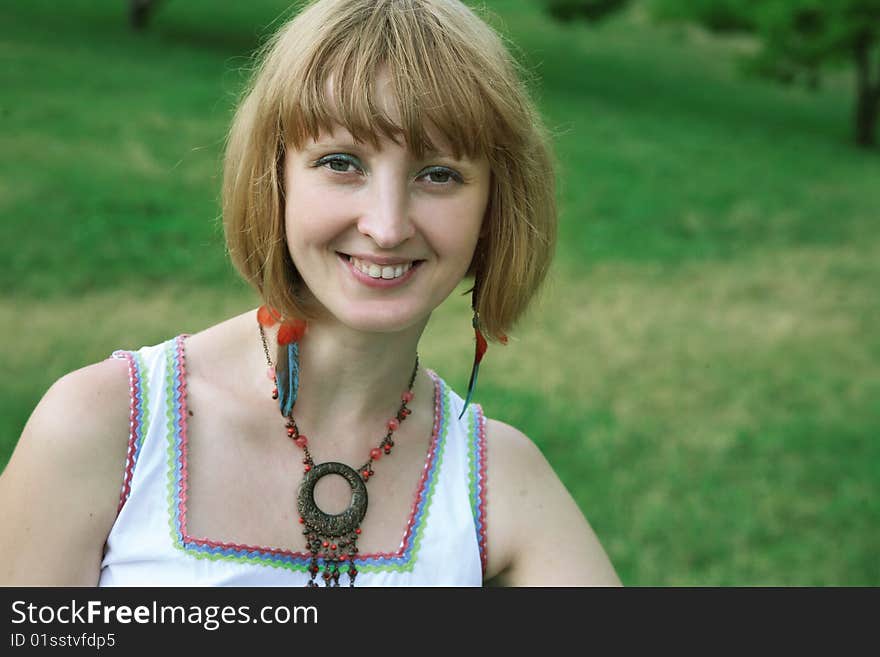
351,382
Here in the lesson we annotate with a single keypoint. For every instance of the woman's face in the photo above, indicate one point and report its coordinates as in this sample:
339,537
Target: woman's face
379,236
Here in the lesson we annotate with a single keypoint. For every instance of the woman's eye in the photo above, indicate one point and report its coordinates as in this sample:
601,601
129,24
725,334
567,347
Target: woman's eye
441,175
339,163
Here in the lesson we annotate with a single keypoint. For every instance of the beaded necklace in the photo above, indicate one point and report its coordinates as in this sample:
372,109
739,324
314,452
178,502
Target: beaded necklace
332,539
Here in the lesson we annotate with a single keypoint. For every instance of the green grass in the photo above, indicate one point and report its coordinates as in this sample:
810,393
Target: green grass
704,368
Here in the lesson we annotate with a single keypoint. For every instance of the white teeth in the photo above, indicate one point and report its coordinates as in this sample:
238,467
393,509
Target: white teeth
373,270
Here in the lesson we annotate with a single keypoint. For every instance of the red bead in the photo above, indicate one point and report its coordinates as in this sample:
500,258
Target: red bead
267,317
407,396
366,473
325,543
302,521
308,467
393,424
333,546
301,441
357,531
375,453
290,431
387,449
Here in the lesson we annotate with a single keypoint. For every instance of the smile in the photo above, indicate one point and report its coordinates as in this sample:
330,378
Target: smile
374,270
380,274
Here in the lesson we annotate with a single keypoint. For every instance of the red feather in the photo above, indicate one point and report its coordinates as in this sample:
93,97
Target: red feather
482,345
291,331
267,317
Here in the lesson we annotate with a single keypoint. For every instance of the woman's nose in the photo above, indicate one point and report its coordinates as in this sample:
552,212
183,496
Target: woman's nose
386,219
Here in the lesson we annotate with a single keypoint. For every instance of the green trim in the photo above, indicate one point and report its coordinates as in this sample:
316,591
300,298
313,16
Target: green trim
472,446
144,378
169,415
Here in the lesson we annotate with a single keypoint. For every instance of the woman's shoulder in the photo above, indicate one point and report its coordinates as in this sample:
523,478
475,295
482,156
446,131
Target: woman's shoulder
513,457
84,416
511,460
528,505
61,485
86,399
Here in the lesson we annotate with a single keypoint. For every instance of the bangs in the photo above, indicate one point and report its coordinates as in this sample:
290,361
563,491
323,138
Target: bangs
435,80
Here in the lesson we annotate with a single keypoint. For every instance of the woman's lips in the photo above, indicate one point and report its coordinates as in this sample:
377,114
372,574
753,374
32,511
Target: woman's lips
369,281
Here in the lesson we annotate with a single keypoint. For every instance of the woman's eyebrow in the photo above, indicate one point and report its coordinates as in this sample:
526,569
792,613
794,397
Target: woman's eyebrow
331,143
448,153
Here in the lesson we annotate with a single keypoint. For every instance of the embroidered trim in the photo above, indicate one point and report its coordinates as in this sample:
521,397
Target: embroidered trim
204,548
405,558
176,429
139,419
477,478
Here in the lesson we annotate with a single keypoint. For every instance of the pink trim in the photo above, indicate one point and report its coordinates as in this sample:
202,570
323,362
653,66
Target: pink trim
484,545
184,474
426,470
134,390
184,414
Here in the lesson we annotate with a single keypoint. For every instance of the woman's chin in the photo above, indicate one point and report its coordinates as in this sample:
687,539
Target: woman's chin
384,322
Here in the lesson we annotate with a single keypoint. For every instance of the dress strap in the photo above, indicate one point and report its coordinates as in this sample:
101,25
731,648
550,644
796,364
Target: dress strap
139,417
476,433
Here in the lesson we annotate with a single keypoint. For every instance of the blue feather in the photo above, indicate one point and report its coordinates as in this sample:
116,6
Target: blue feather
287,389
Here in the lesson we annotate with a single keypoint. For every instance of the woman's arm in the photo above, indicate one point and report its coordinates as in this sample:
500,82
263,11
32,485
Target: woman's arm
537,535
60,490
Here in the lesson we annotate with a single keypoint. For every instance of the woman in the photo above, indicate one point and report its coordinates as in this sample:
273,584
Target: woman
384,151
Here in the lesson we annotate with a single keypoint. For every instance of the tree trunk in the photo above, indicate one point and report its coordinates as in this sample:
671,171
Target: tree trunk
867,95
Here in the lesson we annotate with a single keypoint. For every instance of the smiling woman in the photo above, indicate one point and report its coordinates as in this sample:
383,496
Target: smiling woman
384,151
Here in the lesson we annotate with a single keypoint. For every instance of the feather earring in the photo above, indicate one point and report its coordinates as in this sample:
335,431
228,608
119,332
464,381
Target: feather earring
287,364
286,370
480,347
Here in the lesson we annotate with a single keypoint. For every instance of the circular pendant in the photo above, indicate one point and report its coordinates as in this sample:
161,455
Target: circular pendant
338,524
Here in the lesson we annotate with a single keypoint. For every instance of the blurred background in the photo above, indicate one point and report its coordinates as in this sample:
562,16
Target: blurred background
703,369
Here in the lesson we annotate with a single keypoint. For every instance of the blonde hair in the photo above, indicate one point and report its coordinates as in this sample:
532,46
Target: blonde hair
450,72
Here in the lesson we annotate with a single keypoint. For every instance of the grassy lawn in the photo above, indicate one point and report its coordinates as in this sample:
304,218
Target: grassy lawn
704,368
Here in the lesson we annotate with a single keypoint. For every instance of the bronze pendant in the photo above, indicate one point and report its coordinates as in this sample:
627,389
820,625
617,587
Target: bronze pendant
339,524
332,538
